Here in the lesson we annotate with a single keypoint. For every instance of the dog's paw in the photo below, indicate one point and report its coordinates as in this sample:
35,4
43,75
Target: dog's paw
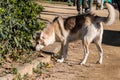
82,63
98,62
60,60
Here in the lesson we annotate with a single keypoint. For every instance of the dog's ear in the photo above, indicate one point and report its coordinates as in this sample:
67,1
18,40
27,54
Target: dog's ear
43,36
37,34
56,18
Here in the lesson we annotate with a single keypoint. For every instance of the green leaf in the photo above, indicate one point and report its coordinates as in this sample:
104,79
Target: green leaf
17,24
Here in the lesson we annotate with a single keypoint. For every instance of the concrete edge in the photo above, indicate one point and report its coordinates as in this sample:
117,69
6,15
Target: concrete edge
27,68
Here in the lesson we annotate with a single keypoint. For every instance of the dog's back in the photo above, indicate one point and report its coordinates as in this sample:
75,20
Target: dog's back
74,23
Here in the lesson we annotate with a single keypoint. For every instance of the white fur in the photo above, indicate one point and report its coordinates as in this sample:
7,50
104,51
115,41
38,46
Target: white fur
60,60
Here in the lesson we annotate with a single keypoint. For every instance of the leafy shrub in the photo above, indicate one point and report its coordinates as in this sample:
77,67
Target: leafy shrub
17,24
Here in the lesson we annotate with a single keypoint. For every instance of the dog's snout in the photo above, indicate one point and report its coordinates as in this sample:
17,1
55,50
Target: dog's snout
39,47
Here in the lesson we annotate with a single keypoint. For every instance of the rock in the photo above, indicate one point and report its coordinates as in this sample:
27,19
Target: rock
7,77
53,48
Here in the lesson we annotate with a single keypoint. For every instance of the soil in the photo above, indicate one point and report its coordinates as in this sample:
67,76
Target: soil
70,69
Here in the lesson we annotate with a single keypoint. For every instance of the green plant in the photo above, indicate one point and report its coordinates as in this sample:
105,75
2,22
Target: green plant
37,71
18,22
18,77
14,71
41,65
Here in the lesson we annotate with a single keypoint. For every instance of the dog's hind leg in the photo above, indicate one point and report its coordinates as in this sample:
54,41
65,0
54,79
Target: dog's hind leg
98,42
86,50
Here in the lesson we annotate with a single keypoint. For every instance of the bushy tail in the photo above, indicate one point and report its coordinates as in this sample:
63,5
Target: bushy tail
111,15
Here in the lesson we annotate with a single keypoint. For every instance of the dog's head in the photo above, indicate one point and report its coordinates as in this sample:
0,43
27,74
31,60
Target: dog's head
47,35
36,42
44,38
40,41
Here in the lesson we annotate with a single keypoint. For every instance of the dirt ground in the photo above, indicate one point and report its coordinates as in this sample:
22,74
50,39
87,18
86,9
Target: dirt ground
70,69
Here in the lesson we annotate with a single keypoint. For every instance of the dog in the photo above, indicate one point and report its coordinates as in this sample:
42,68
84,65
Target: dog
87,27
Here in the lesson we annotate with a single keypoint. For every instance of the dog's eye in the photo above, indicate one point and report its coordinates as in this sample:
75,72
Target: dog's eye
37,42
42,42
43,37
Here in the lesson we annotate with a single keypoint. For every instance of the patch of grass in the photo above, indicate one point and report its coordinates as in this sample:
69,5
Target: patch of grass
37,71
41,66
14,71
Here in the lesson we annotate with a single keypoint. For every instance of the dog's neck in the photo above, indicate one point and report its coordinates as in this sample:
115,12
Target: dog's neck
51,39
49,35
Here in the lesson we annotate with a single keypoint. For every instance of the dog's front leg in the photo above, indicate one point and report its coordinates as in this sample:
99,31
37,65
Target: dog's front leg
86,51
64,49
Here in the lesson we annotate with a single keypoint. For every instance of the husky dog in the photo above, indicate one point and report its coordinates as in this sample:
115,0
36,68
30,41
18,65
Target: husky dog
87,27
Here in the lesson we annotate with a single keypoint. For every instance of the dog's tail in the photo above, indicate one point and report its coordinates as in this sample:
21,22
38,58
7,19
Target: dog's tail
111,15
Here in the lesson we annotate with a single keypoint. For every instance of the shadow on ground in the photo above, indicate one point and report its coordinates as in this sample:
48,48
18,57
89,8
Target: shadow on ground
56,13
111,37
59,7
